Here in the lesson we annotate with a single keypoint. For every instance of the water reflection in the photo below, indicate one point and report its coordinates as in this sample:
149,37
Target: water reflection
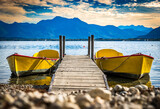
113,80
45,79
39,79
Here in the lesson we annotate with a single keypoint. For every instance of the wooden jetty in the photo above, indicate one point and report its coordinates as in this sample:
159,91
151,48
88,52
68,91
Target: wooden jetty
77,72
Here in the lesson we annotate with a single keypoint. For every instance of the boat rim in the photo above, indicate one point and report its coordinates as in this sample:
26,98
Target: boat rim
16,54
138,54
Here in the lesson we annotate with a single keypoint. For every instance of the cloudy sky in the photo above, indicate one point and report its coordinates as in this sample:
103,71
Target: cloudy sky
101,12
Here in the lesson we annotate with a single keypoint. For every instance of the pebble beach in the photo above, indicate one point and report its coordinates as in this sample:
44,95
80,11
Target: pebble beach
117,97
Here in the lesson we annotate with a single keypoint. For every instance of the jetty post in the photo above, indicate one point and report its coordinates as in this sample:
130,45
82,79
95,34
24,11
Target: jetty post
64,46
92,47
60,47
89,45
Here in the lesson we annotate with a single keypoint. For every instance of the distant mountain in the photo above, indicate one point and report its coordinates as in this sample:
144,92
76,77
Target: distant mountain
71,28
154,34
136,28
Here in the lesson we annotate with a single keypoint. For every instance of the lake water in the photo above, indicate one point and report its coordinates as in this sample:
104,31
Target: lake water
79,48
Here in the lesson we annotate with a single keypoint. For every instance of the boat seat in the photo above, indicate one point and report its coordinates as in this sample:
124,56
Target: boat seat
47,54
108,53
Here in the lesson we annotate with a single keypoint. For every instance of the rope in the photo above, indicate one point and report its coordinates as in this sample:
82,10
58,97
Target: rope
40,63
49,64
47,61
117,66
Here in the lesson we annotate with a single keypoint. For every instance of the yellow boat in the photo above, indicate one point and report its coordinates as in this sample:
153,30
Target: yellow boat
133,66
41,62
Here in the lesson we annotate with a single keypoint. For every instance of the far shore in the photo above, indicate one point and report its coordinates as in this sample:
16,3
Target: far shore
98,39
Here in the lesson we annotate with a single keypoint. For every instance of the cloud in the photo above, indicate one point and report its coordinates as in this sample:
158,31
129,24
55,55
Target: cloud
107,2
12,10
147,4
110,14
151,4
35,2
57,2
102,16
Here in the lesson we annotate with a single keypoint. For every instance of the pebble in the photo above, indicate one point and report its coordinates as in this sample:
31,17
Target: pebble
135,106
84,101
134,91
118,88
69,105
8,98
125,89
141,87
118,97
104,94
71,99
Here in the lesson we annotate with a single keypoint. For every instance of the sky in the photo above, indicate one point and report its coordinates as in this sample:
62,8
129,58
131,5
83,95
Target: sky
100,12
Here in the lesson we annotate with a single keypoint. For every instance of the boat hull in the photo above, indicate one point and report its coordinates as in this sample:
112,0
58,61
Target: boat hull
132,66
24,65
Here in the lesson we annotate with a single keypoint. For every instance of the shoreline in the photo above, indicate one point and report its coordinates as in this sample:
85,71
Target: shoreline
119,97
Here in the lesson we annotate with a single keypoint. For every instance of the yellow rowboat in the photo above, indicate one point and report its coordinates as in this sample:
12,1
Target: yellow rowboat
41,62
133,66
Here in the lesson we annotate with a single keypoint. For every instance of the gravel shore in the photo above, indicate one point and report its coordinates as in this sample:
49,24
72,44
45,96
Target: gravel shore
118,97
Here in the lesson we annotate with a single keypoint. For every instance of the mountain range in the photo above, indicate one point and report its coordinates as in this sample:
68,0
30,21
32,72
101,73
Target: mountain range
71,28
154,34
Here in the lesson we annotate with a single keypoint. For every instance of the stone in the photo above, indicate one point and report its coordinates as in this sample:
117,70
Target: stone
120,98
139,87
59,98
157,92
45,95
156,102
84,101
85,97
69,105
71,99
52,98
123,93
18,104
135,106
104,94
37,94
57,105
125,89
148,107
152,94
118,88
145,87
136,99
99,100
134,91
124,106
13,107
127,99
30,94
9,98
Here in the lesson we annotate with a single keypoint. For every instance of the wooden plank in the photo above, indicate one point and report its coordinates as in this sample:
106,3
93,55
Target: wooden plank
77,69
71,89
80,73
78,86
86,78
81,80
